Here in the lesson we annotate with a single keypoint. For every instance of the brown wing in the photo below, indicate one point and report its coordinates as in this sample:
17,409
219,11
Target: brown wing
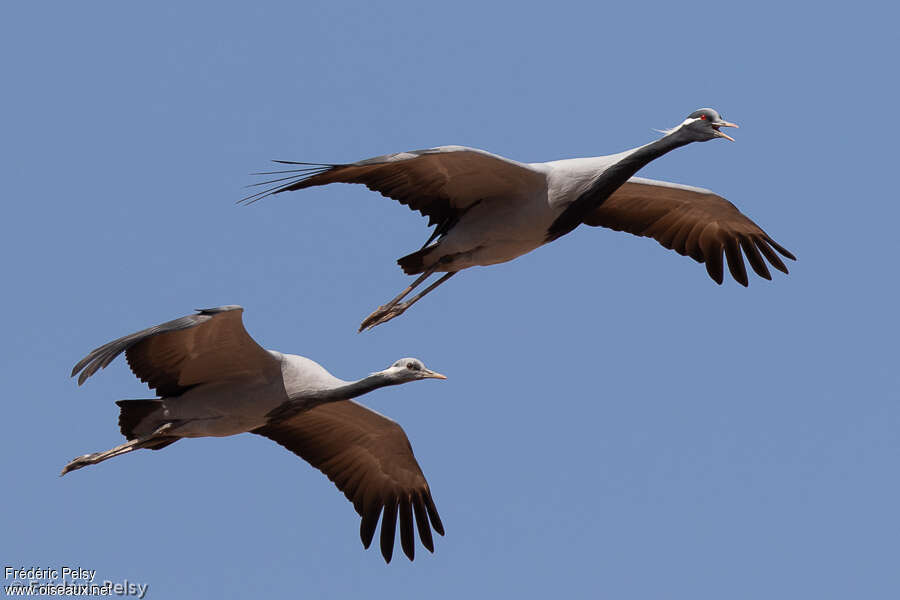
369,458
694,222
441,183
209,346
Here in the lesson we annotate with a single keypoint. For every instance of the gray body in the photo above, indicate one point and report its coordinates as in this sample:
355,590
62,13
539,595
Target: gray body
224,408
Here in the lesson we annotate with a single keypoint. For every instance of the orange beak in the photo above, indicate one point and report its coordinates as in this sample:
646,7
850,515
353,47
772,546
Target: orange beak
723,124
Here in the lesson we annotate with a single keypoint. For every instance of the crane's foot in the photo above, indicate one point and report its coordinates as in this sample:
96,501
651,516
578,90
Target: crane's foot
82,461
383,314
152,441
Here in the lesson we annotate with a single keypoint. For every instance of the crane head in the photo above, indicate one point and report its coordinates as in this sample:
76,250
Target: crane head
411,369
703,125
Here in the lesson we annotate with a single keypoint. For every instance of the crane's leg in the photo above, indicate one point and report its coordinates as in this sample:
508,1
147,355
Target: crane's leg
153,440
386,308
396,308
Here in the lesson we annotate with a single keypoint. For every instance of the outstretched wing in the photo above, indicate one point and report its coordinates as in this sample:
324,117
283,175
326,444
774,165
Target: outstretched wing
693,222
441,183
369,458
211,345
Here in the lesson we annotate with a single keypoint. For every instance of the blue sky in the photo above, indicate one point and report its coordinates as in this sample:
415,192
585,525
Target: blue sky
615,424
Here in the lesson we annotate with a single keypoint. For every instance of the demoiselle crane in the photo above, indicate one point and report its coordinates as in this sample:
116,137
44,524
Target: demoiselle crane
213,379
488,209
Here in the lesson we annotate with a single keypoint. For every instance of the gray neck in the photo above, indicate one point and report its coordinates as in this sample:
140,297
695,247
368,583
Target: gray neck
354,389
346,390
612,179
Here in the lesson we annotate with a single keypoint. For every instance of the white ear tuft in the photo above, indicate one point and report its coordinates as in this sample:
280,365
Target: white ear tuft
687,121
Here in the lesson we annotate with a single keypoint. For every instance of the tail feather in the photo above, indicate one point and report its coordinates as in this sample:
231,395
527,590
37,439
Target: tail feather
133,412
413,264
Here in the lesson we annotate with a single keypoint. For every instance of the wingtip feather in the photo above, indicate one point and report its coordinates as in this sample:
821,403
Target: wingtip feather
407,538
388,529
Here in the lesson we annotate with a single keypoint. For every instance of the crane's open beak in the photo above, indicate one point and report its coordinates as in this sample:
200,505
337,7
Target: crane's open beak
429,374
718,124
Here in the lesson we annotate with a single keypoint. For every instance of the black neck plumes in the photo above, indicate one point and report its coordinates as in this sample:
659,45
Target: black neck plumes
357,388
612,179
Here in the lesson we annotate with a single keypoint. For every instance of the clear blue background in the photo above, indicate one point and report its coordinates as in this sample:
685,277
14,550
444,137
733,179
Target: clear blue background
615,425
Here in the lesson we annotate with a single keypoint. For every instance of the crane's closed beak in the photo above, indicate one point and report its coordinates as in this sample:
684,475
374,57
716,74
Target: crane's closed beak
429,374
723,124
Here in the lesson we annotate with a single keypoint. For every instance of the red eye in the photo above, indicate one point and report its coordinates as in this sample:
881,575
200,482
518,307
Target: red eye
703,117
